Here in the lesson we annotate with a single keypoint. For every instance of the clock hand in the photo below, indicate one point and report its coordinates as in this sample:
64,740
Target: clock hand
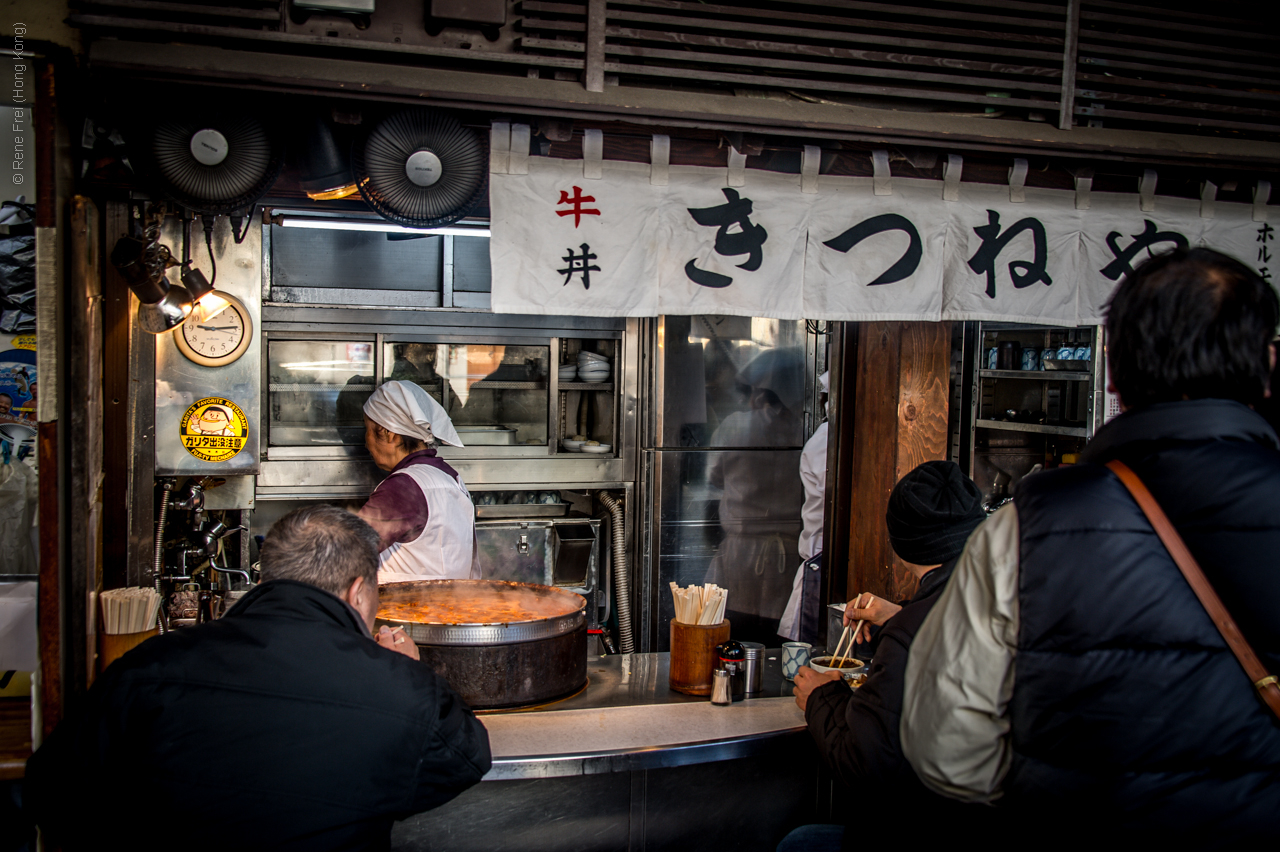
218,327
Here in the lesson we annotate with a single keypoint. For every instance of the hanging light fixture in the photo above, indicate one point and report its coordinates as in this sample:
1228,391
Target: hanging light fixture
327,176
207,304
164,306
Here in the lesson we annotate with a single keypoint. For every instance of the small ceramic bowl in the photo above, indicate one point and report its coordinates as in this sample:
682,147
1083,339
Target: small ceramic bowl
852,668
597,448
572,446
591,356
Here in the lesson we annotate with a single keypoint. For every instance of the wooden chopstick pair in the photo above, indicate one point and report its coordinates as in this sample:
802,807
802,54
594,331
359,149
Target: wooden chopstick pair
839,664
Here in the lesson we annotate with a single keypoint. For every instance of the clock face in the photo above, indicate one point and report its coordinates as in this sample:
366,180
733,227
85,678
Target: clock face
217,340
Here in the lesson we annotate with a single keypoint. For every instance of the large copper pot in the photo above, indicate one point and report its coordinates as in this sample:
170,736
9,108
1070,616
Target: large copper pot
497,643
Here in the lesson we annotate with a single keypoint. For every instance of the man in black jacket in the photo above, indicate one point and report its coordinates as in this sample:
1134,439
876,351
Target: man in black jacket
282,726
1068,674
932,510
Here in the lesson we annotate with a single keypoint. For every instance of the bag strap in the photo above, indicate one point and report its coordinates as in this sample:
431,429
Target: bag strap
1264,682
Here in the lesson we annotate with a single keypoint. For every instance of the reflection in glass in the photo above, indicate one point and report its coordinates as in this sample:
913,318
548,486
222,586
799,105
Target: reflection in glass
731,518
317,391
732,382
494,394
734,387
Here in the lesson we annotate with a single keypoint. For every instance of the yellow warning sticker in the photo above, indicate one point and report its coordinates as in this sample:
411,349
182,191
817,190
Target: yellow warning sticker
214,429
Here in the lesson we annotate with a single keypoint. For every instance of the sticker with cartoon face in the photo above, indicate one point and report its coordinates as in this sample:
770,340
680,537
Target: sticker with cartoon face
214,429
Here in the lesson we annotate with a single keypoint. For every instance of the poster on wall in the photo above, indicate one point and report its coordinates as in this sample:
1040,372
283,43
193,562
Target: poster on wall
602,239
18,391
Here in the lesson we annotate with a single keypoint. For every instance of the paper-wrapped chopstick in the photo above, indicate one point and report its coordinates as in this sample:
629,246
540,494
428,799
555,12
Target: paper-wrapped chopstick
129,610
702,605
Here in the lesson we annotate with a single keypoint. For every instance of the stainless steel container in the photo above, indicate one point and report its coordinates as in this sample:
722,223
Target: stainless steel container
754,666
497,644
486,436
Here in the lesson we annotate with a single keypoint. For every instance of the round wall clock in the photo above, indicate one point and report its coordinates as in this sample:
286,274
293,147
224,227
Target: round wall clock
218,340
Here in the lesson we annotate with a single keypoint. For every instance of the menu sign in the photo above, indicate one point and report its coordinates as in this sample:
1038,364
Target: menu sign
619,245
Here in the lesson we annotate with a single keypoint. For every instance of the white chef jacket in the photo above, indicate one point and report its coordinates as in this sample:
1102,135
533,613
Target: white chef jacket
813,473
446,549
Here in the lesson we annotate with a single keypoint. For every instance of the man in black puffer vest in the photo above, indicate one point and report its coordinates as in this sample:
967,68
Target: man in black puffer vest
1068,673
283,725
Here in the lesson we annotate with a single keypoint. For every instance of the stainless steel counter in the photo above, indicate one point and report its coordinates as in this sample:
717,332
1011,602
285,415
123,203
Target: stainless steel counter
629,764
627,718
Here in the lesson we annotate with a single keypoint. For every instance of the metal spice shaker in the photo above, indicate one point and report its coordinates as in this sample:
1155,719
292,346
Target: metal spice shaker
754,666
721,688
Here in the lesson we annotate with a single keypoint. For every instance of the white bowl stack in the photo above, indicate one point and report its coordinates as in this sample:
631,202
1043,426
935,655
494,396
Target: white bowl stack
592,367
568,372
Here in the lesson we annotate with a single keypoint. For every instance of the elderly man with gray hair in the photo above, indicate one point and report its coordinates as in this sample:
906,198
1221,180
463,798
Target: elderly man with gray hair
283,725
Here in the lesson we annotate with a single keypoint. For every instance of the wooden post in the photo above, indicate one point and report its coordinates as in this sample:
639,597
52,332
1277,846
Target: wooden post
900,420
84,417
593,60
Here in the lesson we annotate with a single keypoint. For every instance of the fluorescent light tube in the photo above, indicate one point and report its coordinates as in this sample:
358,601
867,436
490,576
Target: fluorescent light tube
382,227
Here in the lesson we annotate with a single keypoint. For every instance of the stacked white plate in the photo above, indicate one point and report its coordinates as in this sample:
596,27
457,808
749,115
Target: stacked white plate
592,367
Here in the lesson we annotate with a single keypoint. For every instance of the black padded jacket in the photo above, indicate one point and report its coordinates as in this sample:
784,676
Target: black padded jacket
280,726
1127,706
857,736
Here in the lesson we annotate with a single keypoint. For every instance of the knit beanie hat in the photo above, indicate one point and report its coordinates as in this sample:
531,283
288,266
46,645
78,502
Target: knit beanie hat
932,511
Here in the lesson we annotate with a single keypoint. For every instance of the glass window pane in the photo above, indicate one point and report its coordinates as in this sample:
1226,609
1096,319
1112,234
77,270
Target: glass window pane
317,391
495,394
303,257
732,382
730,518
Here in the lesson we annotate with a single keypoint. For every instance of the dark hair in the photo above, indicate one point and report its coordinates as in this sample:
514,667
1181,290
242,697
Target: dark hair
322,545
412,444
1191,324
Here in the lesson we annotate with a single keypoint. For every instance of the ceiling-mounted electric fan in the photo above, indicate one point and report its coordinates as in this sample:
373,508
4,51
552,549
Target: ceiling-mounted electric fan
421,168
215,164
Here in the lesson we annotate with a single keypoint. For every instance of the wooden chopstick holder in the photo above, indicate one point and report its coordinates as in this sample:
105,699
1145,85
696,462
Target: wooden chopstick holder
1262,680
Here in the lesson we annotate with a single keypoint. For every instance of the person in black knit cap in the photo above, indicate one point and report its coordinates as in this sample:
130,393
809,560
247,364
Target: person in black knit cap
932,511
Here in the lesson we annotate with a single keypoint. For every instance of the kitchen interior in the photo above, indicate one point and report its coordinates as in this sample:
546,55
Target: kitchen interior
607,458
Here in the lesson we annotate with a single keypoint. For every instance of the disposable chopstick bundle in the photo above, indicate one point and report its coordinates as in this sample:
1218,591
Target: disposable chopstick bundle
699,604
130,610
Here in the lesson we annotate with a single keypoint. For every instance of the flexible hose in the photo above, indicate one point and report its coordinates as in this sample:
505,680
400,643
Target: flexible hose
159,557
621,581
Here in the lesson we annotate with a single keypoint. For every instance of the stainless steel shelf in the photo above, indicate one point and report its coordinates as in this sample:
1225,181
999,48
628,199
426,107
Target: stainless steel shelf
487,385
1038,375
319,387
1073,431
591,386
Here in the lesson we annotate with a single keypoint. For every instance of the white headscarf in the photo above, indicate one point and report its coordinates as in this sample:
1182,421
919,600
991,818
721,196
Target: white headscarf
406,409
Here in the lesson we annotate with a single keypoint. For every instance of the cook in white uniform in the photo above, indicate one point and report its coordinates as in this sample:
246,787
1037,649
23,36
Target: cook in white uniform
813,473
760,496
422,512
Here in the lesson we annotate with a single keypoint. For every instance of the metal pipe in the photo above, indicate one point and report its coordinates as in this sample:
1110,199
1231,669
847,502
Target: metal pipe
167,485
621,582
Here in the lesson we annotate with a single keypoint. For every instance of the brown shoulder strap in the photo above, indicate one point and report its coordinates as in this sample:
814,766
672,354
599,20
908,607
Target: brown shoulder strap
1265,683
